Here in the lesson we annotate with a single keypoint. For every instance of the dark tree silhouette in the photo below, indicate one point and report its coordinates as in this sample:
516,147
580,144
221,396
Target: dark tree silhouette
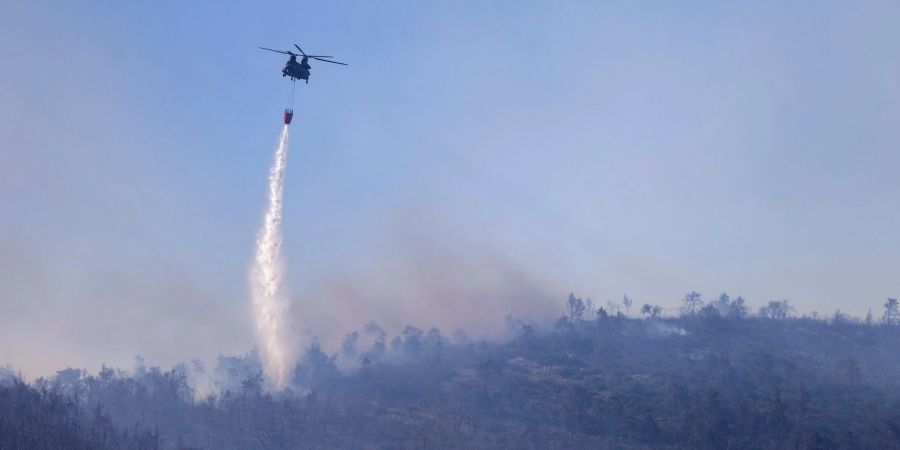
691,303
575,308
646,309
776,310
738,309
627,303
891,312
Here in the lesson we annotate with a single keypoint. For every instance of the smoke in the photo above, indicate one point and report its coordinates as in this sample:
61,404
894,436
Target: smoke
269,301
424,273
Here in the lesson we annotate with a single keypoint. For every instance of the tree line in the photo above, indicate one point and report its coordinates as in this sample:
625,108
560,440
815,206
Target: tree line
614,376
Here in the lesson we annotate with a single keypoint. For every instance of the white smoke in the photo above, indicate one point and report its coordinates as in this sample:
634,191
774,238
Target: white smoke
269,301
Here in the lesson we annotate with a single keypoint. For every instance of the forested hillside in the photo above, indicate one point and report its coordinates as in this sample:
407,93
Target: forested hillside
714,377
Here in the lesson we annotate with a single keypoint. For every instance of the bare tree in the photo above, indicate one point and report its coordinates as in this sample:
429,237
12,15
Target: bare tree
575,307
891,312
434,345
710,311
839,317
627,302
737,308
776,310
723,304
691,303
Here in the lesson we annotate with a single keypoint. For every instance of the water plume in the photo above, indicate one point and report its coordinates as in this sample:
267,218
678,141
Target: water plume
270,302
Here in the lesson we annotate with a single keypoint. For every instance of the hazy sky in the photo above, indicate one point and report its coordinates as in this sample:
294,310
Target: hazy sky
474,159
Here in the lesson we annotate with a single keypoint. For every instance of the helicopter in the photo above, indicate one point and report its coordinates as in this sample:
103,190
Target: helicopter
300,71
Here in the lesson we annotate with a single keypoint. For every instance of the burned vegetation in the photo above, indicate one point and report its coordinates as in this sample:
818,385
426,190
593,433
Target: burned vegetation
713,377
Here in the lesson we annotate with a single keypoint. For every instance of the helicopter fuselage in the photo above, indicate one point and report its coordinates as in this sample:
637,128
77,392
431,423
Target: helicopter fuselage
296,70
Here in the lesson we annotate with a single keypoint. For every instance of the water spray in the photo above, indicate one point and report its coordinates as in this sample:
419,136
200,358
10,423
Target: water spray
270,302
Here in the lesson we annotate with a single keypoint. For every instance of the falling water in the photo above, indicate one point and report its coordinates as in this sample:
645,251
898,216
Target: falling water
269,301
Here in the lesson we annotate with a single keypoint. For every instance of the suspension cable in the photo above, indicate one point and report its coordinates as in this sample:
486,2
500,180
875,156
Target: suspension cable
293,85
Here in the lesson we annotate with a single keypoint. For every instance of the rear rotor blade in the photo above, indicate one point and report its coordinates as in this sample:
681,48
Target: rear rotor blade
326,60
301,50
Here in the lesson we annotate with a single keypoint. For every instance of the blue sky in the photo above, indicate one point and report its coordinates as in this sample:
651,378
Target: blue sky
475,158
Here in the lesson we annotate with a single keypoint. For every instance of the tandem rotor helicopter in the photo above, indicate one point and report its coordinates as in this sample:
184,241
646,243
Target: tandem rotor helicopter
298,71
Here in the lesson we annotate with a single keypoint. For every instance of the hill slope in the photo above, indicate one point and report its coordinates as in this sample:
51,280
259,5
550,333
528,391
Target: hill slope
607,383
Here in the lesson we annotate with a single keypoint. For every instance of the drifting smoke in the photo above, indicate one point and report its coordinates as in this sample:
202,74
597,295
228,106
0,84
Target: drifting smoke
269,302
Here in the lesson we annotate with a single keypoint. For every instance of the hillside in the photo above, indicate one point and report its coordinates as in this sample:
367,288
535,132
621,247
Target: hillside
698,381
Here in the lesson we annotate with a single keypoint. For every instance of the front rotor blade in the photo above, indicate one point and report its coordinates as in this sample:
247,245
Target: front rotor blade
301,50
326,60
276,51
